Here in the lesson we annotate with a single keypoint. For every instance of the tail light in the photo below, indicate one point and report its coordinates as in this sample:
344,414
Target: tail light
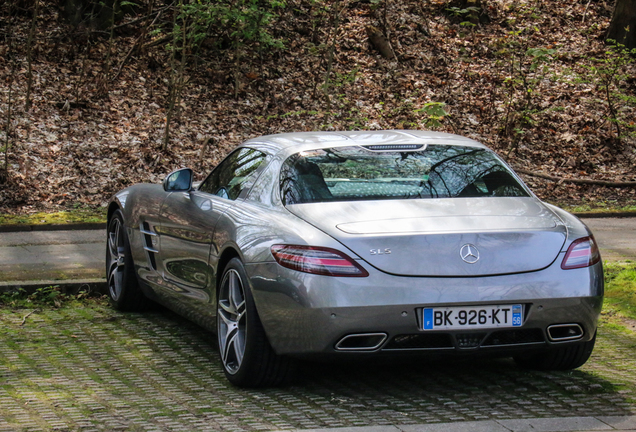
581,253
317,260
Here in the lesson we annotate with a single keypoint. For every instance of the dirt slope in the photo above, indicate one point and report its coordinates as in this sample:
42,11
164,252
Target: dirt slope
528,81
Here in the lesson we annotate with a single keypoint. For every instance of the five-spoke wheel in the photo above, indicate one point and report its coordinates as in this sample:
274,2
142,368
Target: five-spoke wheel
123,289
247,356
232,321
116,258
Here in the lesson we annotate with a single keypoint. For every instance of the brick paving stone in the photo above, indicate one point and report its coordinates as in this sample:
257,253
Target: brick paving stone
94,368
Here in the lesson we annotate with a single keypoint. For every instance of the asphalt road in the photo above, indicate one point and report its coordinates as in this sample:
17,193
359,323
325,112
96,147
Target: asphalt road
52,255
616,237
71,255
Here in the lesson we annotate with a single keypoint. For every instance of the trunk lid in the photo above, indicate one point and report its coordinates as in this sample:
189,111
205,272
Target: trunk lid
443,237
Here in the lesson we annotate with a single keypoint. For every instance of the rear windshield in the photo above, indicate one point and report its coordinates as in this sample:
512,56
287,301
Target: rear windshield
357,173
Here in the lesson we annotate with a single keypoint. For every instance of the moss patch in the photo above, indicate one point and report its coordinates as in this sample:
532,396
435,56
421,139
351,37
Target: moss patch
83,215
619,307
598,207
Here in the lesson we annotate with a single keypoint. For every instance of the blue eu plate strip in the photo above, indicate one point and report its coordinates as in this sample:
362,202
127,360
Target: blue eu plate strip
428,319
516,316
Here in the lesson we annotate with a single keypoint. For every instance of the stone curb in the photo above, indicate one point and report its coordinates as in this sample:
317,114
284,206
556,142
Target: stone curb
66,286
53,227
564,424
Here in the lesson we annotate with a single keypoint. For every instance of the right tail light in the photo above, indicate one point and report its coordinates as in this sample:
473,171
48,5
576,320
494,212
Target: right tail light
582,252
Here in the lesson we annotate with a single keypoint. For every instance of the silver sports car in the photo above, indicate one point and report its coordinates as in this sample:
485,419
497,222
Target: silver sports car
345,244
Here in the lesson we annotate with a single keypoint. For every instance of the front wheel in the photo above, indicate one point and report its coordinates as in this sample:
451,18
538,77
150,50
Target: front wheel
123,289
247,357
562,358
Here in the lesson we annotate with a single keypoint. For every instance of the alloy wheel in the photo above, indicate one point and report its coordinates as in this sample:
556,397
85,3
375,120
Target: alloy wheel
116,258
232,321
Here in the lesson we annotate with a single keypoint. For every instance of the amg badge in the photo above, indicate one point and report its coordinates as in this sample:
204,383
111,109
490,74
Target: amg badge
386,251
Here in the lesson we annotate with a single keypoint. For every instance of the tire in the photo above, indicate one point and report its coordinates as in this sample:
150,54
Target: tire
563,358
247,357
123,288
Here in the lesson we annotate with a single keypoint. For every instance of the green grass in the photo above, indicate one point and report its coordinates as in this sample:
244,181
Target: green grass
46,297
598,207
83,215
620,291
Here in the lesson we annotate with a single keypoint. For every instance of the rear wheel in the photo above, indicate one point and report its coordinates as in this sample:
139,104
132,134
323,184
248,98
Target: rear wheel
563,358
123,288
247,357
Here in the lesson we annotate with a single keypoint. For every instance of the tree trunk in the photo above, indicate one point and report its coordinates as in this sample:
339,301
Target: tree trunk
380,43
27,105
622,29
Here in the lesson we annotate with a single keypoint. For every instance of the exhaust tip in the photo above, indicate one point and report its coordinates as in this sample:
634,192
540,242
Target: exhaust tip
361,342
563,332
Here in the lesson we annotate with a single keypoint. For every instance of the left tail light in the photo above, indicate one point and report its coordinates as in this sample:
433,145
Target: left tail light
582,252
317,260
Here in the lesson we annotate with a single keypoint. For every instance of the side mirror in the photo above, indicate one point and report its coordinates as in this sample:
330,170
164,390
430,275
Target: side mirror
179,181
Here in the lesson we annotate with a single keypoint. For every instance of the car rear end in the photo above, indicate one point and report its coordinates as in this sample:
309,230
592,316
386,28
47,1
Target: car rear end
432,248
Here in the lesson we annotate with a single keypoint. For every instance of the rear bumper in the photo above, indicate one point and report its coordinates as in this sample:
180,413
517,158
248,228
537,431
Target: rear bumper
306,314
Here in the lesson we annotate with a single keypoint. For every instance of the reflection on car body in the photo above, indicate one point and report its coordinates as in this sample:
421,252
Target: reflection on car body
341,244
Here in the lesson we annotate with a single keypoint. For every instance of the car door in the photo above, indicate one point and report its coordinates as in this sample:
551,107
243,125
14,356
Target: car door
188,221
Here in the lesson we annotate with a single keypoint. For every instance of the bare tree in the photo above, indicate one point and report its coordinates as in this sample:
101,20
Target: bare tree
9,41
27,105
177,75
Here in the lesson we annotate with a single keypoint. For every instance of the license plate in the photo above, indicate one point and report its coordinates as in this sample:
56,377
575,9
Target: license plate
463,317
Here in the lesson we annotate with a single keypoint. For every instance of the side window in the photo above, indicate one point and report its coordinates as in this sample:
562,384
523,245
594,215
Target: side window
235,174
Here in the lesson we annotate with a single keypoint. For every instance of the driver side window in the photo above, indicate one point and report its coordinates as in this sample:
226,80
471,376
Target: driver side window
235,174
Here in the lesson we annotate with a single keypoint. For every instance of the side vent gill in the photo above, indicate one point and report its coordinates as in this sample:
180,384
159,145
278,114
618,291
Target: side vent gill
150,237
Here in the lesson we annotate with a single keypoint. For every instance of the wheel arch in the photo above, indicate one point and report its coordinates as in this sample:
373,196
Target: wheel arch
226,256
112,208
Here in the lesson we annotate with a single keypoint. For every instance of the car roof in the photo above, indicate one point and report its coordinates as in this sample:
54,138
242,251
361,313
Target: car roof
303,141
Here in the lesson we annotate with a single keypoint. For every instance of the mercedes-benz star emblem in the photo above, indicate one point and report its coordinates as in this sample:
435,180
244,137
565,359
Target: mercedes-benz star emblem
469,253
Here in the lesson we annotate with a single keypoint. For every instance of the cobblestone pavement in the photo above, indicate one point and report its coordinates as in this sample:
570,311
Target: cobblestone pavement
92,368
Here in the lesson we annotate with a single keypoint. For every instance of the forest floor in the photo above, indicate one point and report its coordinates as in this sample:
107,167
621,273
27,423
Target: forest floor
533,80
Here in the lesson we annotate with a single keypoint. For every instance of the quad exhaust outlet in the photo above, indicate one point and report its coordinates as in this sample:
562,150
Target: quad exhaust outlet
361,342
564,332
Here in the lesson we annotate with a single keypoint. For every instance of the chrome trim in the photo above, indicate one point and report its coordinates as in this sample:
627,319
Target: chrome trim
143,231
553,339
369,348
469,253
148,246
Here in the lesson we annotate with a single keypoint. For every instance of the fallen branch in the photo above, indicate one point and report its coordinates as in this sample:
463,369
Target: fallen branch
143,18
161,41
585,13
28,315
578,181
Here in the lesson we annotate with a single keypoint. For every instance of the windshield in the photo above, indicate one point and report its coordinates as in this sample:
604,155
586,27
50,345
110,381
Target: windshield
357,173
